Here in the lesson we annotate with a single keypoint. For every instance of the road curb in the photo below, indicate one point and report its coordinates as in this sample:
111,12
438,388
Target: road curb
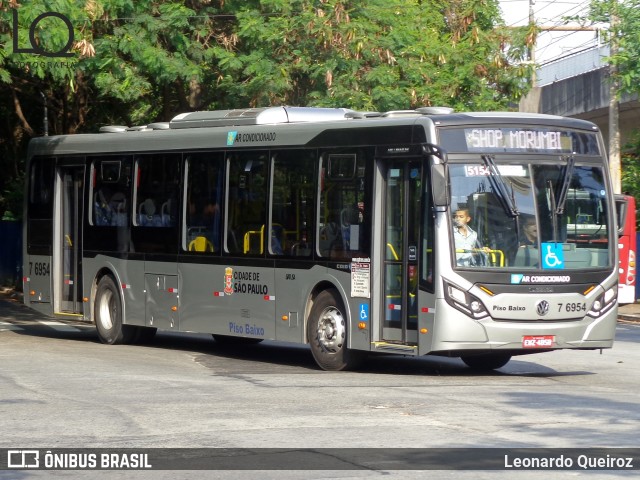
11,295
629,318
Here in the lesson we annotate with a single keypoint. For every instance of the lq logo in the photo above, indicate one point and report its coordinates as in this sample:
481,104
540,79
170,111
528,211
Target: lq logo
35,47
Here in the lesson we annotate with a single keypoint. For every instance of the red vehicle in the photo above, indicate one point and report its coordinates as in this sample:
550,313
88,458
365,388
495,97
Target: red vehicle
626,212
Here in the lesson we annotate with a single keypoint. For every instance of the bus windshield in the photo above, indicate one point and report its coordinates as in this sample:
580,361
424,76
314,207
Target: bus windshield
529,216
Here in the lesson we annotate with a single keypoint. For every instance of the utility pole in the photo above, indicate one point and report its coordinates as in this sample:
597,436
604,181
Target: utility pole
615,164
532,48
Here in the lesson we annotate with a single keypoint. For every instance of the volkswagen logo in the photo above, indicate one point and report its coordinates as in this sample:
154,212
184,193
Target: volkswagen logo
542,307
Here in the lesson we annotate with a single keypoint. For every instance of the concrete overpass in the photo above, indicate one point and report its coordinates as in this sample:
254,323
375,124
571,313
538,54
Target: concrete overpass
578,86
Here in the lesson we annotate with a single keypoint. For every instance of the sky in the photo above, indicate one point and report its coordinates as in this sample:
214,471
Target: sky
551,45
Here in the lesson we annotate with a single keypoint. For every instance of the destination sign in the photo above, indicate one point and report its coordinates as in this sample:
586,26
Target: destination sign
519,140
512,139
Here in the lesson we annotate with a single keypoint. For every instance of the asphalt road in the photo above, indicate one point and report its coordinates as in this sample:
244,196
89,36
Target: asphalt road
61,388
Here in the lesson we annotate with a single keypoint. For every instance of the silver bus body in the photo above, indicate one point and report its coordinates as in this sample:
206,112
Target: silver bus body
394,285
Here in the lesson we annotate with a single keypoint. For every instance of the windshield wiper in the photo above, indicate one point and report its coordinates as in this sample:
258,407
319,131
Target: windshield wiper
500,187
557,204
566,181
553,209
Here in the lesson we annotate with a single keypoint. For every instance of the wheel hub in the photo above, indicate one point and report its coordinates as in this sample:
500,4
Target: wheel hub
331,330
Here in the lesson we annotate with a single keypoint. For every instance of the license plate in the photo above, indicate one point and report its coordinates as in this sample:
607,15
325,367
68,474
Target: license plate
538,341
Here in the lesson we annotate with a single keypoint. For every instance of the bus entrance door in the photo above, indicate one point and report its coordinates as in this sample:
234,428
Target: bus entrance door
400,258
67,251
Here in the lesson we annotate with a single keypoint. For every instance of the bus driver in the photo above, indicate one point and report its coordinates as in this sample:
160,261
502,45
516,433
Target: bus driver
466,239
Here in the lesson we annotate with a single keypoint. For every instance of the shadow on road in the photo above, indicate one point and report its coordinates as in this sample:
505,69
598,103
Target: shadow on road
267,357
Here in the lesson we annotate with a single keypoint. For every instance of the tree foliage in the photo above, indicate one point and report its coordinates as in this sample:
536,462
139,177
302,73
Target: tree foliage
134,62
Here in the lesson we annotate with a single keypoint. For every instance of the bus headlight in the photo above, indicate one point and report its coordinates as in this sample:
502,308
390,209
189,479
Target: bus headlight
604,302
464,301
476,306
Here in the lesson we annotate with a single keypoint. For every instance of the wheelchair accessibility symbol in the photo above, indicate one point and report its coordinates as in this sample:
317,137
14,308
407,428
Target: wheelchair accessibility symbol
552,256
364,312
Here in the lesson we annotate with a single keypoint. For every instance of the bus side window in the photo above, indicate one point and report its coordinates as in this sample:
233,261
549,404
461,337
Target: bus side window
246,202
292,203
40,204
344,227
203,209
111,192
156,190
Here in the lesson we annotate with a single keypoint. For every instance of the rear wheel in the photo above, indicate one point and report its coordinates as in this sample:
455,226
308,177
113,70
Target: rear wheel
486,361
108,314
327,333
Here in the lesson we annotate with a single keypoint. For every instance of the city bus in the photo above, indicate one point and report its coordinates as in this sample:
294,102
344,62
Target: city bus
626,216
329,227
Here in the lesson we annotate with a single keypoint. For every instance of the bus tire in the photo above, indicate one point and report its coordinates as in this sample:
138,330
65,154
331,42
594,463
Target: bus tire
108,314
486,361
327,333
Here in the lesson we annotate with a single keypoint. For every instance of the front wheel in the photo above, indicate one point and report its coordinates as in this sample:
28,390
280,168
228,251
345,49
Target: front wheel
327,333
108,314
486,361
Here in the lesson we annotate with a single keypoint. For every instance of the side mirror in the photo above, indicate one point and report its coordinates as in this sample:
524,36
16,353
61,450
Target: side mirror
440,185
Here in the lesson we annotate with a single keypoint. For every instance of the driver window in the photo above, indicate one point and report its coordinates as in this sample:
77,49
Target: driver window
484,230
